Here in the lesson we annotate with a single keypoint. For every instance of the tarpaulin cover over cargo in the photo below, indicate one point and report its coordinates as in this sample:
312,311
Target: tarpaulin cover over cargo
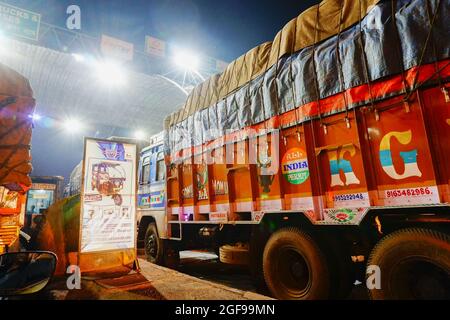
342,49
16,107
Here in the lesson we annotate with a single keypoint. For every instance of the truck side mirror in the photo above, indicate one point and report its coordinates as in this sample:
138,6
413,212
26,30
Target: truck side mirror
24,273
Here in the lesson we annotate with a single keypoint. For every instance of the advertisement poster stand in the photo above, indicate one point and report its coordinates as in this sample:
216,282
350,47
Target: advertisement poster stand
108,206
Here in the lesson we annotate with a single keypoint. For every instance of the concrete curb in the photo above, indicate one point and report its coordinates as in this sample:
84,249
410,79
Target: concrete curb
174,285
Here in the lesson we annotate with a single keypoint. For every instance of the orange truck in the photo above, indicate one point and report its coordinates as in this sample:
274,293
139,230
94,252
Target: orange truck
16,110
317,159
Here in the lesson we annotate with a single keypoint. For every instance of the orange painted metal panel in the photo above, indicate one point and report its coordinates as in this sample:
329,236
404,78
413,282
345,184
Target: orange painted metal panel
343,181
403,167
388,153
437,115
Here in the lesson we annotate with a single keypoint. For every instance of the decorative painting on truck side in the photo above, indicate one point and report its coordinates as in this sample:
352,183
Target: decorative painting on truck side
188,192
143,200
202,182
350,216
257,216
338,163
220,188
266,175
157,199
409,158
295,166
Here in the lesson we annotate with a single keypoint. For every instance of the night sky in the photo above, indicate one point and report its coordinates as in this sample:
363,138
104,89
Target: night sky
220,29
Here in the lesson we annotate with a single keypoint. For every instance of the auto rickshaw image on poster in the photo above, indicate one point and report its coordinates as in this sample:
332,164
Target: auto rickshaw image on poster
107,179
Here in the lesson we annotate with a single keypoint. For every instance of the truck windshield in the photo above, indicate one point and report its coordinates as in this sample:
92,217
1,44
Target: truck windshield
160,167
145,171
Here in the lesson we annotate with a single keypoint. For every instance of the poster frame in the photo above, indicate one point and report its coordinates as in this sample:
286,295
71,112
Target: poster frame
119,252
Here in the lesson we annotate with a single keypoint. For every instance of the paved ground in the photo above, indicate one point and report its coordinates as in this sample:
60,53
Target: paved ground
199,277
205,265
174,285
93,287
153,283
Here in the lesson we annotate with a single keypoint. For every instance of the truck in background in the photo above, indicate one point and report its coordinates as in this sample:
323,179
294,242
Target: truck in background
44,191
16,111
334,165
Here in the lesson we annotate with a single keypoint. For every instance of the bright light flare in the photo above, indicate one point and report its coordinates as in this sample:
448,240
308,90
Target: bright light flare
72,125
110,73
78,57
140,135
186,60
35,117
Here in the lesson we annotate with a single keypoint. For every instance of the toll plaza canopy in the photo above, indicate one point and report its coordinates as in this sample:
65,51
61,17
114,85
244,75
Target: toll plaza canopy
334,47
64,87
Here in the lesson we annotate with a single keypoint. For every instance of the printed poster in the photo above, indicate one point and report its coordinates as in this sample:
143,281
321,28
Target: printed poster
109,196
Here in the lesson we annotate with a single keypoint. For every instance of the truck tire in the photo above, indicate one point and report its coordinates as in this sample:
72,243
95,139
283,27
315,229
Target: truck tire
153,245
234,254
413,264
294,266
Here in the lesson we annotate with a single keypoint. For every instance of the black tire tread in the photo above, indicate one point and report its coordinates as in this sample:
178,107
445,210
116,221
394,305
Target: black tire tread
423,232
307,236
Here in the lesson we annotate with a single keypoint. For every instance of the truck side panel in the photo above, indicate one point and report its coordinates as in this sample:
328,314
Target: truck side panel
387,155
437,114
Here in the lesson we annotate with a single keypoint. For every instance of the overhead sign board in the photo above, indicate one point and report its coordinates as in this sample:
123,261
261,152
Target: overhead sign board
117,49
19,22
155,46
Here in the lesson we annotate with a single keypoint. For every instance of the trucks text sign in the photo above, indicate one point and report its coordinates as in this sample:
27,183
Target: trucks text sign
19,22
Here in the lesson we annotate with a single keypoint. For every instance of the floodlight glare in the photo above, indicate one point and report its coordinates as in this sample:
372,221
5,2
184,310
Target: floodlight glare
36,117
140,135
72,125
78,57
110,73
186,60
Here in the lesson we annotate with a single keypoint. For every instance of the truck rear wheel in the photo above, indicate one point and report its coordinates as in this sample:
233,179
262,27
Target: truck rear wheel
294,266
414,264
154,245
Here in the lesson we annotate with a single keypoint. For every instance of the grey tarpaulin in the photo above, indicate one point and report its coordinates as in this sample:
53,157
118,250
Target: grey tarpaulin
390,43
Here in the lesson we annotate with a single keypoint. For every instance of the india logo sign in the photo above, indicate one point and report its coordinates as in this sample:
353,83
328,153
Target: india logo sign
295,166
